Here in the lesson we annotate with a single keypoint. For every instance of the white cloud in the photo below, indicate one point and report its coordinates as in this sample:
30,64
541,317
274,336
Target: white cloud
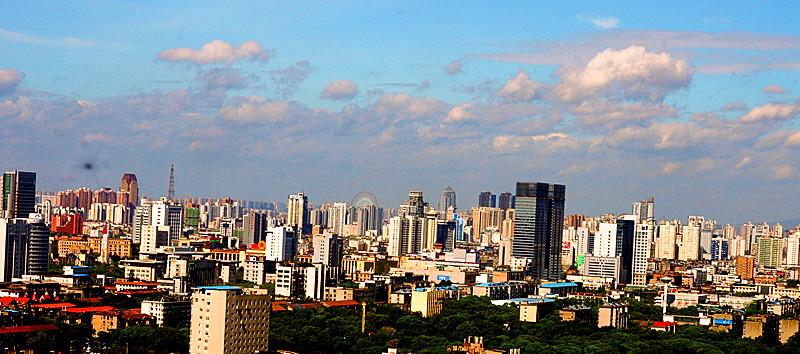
340,90
775,89
613,115
405,106
460,113
217,51
520,87
604,22
9,79
734,106
255,109
770,112
551,142
630,73
793,140
94,137
453,68
745,160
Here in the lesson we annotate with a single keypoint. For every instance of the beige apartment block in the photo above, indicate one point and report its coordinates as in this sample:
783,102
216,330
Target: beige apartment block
229,320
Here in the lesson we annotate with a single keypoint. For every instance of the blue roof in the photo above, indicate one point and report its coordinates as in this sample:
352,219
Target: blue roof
530,299
219,287
558,285
721,321
491,284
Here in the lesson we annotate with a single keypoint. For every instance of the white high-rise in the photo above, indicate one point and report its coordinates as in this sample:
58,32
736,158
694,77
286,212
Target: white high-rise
793,250
337,218
297,213
642,237
667,240
690,245
227,320
281,244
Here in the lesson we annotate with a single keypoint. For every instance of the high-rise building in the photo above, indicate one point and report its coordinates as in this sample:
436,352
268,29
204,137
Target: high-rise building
24,246
153,237
642,238
538,225
141,218
506,201
328,250
793,249
254,225
281,244
415,206
337,218
487,199
770,251
616,239
719,249
297,213
690,243
667,240
745,266
19,194
447,200
227,320
131,185
368,218
168,213
643,210
105,195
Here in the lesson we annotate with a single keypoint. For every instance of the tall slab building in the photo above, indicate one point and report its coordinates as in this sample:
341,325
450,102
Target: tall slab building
19,194
538,224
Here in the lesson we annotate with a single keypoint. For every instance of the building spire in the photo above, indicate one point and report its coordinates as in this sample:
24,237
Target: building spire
171,191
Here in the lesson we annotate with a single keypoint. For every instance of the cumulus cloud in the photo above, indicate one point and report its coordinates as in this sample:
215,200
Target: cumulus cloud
553,141
217,51
9,79
459,114
734,106
630,73
775,89
520,87
289,79
224,79
453,68
255,109
793,140
771,112
340,90
401,105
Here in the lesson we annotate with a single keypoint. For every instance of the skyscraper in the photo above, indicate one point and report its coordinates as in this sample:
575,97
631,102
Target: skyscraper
415,206
506,201
487,199
447,200
131,185
19,194
297,210
643,210
538,225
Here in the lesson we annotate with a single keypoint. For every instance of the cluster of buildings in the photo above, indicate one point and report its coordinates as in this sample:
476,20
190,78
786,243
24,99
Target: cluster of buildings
213,259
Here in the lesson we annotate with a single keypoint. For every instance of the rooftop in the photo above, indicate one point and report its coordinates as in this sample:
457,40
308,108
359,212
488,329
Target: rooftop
558,285
219,287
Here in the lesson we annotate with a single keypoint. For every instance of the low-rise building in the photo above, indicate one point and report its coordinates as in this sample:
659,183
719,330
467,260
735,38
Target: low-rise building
428,301
159,308
613,314
534,311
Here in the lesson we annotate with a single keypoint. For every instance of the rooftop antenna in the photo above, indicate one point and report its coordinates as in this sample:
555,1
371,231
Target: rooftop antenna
171,191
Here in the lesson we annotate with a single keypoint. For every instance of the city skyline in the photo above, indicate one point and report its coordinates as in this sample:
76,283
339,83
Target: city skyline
251,102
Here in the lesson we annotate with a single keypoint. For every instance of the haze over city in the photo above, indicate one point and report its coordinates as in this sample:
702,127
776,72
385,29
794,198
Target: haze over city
693,104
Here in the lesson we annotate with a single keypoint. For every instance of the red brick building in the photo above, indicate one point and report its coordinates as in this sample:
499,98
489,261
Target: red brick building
69,224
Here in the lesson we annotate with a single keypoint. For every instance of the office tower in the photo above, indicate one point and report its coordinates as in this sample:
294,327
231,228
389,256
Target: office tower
642,238
123,198
770,251
227,320
153,237
793,250
719,249
538,223
446,231
141,218
19,194
447,200
487,199
337,218
171,188
415,206
506,201
615,239
667,240
281,244
328,250
254,226
745,266
168,213
297,213
24,246
131,185
643,210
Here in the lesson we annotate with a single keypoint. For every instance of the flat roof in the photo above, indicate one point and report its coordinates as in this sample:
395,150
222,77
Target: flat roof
558,285
219,287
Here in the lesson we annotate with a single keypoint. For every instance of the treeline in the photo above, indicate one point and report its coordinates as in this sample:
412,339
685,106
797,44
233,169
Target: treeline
338,330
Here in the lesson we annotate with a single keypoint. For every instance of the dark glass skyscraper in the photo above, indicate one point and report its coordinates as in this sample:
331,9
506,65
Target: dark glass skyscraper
538,224
19,194
505,201
487,199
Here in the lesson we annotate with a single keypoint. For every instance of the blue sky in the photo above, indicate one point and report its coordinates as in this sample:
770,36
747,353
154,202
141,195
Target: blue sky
694,103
